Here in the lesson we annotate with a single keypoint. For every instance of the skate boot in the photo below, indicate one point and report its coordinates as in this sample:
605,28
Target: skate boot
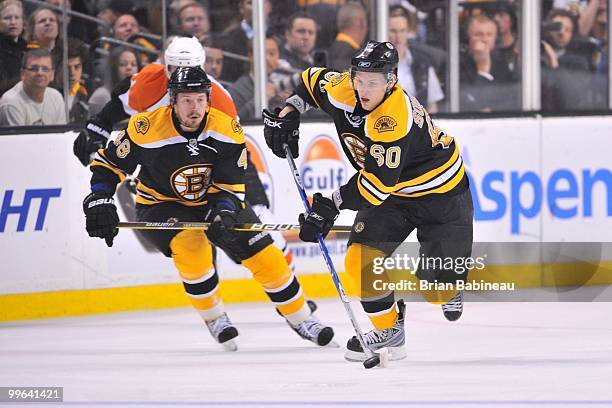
223,331
313,330
454,308
392,338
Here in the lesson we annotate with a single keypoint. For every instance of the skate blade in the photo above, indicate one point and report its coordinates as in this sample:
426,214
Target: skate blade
331,344
230,345
394,354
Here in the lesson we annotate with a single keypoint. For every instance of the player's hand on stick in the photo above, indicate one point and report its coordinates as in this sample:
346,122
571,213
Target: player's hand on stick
101,216
222,218
319,220
280,131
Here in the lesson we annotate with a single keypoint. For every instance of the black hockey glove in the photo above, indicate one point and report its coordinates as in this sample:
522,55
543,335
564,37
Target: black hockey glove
101,216
279,131
319,220
87,142
222,218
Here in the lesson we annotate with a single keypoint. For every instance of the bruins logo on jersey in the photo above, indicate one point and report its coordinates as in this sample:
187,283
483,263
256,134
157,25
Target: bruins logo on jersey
356,147
236,126
142,125
191,182
385,124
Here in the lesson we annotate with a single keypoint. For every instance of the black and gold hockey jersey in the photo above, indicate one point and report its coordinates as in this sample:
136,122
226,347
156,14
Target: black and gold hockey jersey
396,148
184,167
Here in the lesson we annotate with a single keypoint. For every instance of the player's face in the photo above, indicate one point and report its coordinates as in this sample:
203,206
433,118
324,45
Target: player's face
371,88
190,109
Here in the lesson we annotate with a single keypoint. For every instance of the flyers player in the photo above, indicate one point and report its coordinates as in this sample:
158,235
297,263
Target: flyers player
410,175
192,160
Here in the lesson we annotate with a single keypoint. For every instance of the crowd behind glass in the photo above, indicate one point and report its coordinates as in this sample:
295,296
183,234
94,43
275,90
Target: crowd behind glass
299,34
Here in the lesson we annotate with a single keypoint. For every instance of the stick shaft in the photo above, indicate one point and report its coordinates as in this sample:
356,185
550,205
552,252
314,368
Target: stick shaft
256,227
327,257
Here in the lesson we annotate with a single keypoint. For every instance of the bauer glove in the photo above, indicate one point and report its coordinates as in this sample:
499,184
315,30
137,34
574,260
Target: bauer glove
101,216
89,141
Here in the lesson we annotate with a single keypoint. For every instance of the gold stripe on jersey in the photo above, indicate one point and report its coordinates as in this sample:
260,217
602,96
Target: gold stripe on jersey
101,160
340,93
310,78
221,126
446,187
368,192
234,188
430,175
153,129
391,120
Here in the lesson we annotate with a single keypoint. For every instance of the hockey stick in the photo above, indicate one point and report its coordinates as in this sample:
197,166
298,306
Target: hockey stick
256,227
373,360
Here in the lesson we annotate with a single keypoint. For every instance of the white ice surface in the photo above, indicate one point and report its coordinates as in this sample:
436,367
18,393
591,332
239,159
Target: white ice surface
498,354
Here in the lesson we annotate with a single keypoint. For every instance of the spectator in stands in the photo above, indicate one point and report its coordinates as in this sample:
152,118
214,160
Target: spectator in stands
121,63
243,90
12,44
486,82
126,28
416,74
566,72
352,23
214,61
193,21
238,39
568,55
110,10
300,37
77,92
32,102
508,48
43,29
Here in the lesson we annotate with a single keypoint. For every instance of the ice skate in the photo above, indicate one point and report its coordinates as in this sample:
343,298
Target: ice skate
392,338
454,308
313,330
223,331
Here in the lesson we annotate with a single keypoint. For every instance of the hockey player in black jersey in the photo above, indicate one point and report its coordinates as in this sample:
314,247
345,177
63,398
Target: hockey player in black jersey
192,160
410,174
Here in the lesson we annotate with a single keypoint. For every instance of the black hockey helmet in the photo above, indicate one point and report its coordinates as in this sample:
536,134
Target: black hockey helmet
376,56
188,79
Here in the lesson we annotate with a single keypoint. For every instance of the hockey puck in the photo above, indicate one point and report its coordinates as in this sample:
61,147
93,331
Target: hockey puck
371,362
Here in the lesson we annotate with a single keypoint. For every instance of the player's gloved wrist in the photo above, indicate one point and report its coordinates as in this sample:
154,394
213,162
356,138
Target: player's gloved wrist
101,218
87,142
222,217
319,220
280,131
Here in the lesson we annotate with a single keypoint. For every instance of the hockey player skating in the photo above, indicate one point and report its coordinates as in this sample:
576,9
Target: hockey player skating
193,160
146,91
410,175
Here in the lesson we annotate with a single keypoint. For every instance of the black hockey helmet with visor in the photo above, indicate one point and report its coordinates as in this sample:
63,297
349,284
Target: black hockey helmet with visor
188,79
375,56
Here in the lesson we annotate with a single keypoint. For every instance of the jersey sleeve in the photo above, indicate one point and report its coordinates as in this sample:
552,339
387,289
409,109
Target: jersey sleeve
310,91
113,112
112,164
